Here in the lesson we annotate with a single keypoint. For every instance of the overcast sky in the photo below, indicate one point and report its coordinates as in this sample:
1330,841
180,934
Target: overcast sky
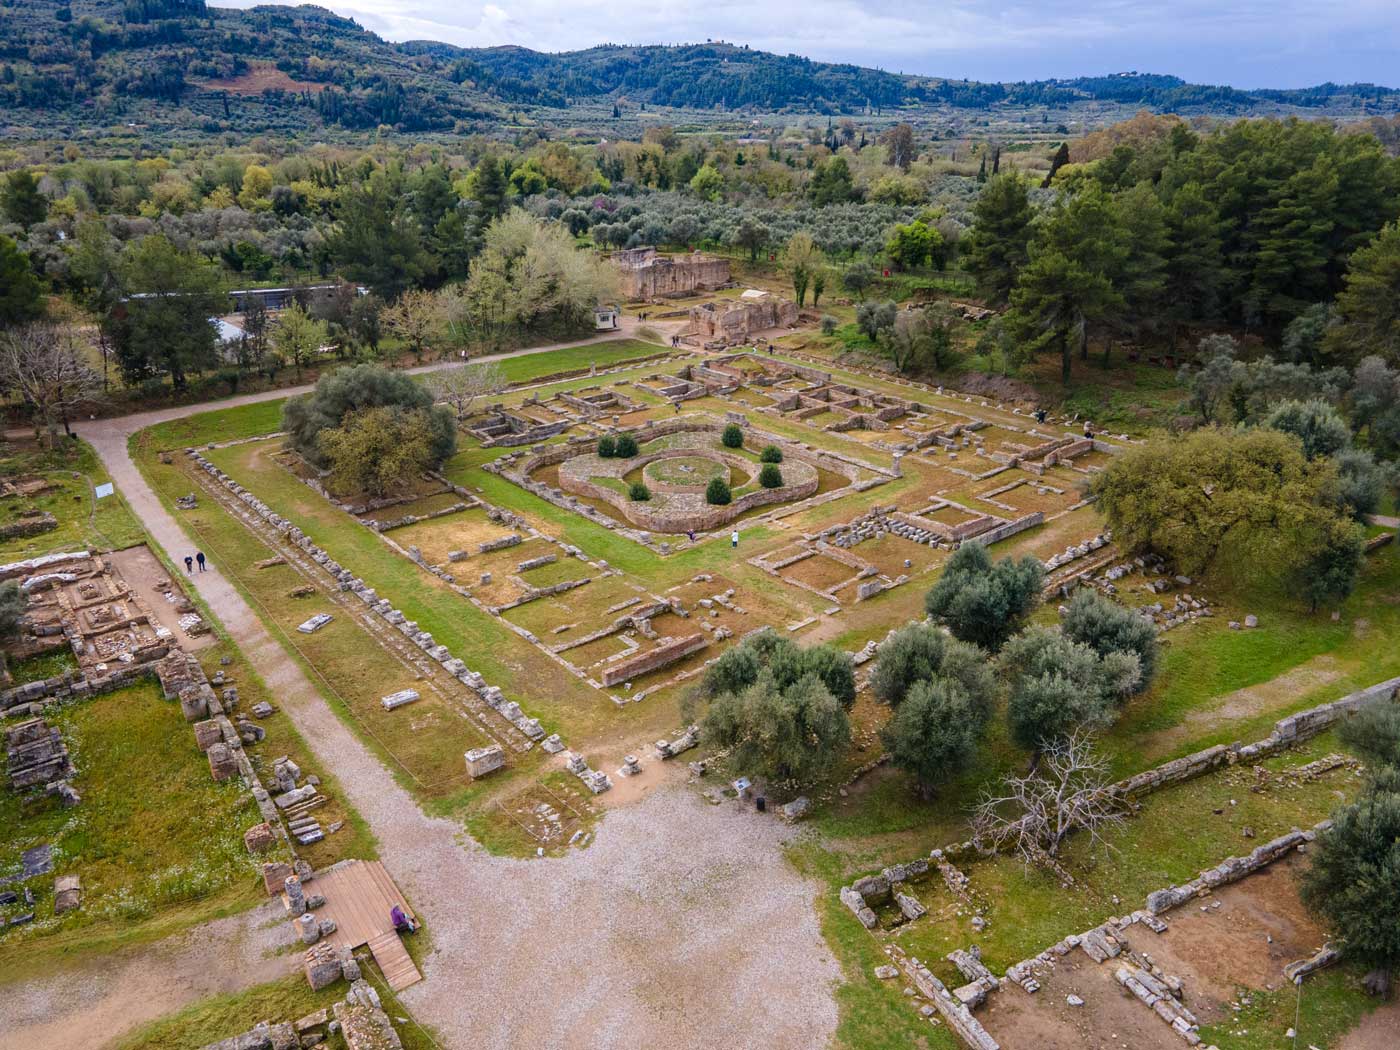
1247,43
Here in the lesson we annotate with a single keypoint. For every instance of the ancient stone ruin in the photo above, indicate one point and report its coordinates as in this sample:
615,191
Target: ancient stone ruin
724,323
644,274
37,759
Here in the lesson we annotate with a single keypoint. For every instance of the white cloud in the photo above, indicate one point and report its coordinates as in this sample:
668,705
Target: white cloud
1245,42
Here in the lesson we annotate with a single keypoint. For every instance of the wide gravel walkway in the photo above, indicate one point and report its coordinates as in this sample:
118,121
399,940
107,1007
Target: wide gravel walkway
682,925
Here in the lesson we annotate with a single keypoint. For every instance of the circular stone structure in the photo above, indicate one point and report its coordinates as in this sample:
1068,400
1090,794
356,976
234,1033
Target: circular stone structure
685,471
678,469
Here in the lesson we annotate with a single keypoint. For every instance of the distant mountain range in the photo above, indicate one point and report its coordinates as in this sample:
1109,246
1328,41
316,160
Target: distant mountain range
180,64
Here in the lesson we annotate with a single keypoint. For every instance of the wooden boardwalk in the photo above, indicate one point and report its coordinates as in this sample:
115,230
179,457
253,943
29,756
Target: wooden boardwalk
359,896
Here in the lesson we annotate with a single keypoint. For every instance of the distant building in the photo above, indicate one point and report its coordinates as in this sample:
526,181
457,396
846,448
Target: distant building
646,274
281,298
228,332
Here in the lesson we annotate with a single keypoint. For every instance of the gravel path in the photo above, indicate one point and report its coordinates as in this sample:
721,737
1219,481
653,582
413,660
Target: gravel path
103,999
682,925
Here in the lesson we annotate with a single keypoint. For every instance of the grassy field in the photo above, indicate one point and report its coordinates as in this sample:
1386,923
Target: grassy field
1330,1005
265,417
1215,685
1027,909
83,520
154,839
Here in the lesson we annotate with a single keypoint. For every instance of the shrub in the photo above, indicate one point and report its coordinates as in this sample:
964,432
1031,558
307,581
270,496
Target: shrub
1107,627
717,492
626,447
607,446
345,391
983,602
788,736
771,454
11,608
638,493
920,652
733,436
828,325
770,477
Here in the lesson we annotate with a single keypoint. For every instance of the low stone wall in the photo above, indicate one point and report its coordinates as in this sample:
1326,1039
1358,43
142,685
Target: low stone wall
33,525
43,563
1288,732
957,1016
1232,869
518,467
654,659
1011,528
70,686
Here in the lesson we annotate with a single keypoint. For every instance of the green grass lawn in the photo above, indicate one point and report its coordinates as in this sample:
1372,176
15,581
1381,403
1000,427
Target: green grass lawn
265,417
37,668
1331,1003
153,835
83,520
1026,909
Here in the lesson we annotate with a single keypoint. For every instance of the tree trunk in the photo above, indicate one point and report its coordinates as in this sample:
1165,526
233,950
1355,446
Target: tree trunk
1377,983
1066,355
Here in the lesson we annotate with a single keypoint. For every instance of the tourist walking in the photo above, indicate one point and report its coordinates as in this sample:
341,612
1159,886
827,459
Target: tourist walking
199,557
734,538
189,564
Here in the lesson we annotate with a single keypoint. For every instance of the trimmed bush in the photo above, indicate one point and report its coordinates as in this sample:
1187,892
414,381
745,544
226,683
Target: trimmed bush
638,493
607,447
717,493
626,447
733,436
829,324
771,454
770,477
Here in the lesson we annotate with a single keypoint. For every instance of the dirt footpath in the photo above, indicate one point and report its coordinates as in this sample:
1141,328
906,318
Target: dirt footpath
681,925
95,1004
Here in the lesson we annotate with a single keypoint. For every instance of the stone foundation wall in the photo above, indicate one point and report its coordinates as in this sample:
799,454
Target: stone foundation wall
729,323
654,659
518,467
643,273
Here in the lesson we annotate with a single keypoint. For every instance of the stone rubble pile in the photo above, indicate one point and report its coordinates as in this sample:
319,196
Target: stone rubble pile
1159,998
37,758
359,1019
1079,550
671,748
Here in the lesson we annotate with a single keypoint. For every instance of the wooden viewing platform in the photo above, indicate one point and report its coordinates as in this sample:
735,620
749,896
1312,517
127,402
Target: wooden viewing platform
359,896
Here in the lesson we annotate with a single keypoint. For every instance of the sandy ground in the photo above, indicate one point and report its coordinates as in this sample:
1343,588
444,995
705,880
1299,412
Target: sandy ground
1259,927
93,1004
142,570
681,925
1379,1031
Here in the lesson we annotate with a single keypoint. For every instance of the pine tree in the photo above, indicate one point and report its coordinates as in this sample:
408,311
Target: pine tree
22,201
998,245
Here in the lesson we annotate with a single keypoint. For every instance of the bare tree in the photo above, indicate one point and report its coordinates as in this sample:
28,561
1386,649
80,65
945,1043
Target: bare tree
1069,790
43,364
460,387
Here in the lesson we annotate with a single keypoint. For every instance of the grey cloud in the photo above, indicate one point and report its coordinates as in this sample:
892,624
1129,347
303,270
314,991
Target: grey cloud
1249,43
